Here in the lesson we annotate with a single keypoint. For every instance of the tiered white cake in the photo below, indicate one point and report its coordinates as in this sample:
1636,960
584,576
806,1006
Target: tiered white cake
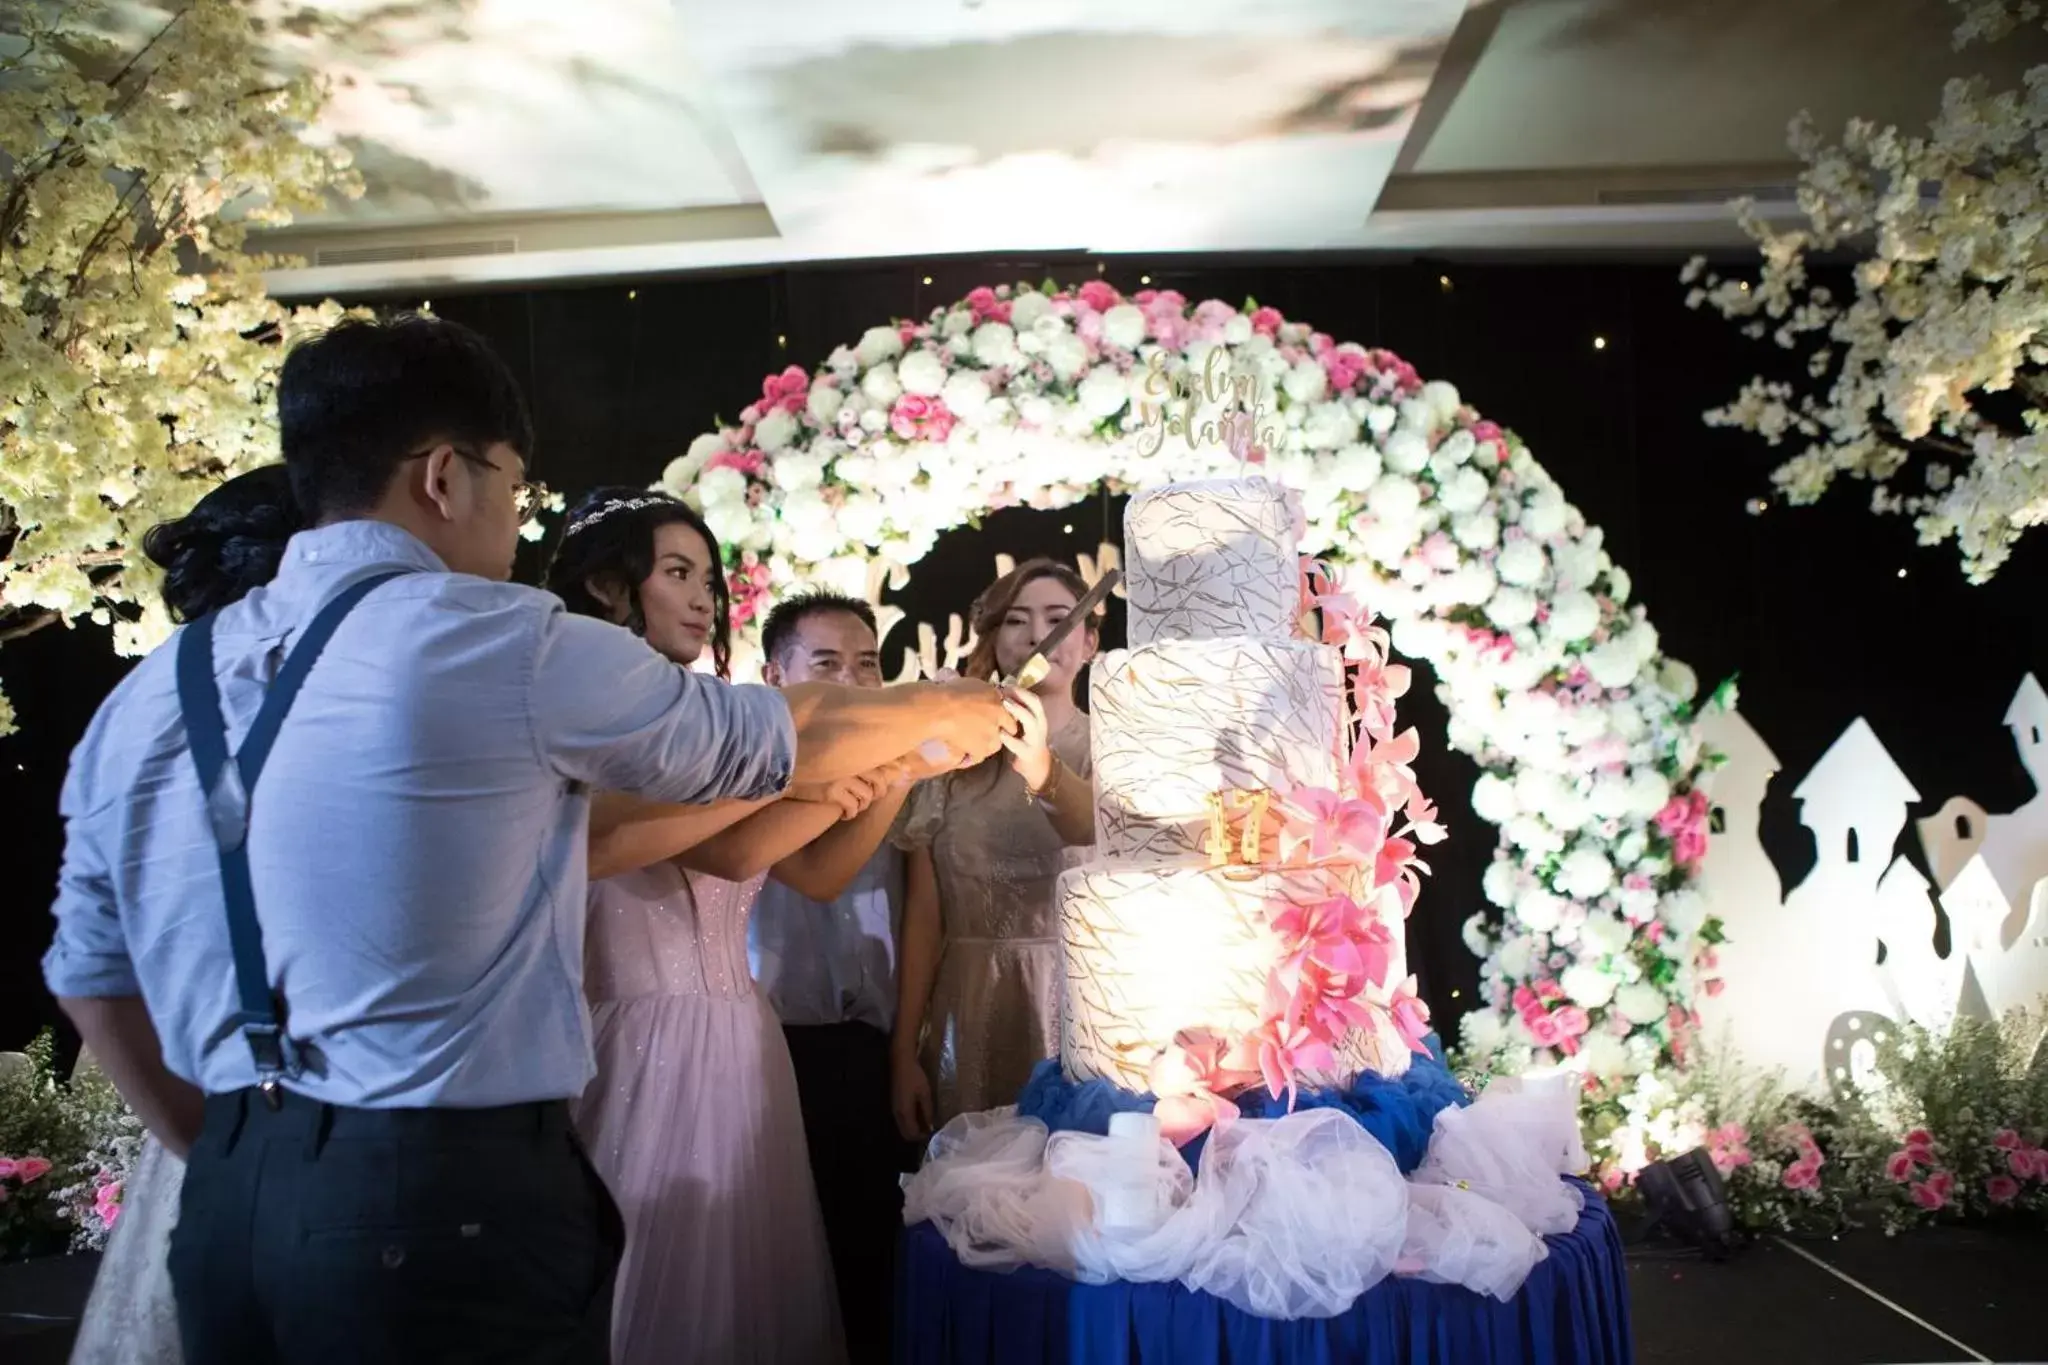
1219,711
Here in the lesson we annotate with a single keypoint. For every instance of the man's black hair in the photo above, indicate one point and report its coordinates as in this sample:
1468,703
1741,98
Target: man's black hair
354,402
780,629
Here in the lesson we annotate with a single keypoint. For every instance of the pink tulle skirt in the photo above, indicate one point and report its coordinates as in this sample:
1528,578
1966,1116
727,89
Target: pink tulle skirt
693,1121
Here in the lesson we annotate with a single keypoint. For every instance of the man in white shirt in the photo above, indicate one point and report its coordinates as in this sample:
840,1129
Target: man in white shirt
822,943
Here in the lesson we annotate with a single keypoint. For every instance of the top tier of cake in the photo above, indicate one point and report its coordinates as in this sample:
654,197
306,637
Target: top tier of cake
1213,558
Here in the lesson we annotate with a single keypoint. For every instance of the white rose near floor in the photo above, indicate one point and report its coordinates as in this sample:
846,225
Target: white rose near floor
1563,752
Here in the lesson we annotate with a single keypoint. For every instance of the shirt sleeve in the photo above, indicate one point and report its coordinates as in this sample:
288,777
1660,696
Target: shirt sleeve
89,959
609,711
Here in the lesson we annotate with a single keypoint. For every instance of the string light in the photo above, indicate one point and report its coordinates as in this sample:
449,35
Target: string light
632,294
781,342
1144,279
1902,573
1444,283
1599,343
426,305
1756,507
1101,266
927,279
1068,529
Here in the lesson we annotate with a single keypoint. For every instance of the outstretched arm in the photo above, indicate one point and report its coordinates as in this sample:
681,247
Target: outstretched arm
627,833
827,865
765,838
842,731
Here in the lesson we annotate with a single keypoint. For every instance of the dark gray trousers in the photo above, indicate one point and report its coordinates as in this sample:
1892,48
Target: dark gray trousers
313,1233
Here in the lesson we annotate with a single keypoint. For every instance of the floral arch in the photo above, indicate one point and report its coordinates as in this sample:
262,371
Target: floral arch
1440,521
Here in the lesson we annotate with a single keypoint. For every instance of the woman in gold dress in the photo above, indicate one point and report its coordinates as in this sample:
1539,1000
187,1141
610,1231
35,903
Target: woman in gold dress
979,975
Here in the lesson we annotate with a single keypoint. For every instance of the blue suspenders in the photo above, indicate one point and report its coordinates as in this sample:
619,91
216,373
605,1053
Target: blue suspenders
226,786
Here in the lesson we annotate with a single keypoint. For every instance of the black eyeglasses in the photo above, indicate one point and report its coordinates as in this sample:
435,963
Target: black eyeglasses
528,495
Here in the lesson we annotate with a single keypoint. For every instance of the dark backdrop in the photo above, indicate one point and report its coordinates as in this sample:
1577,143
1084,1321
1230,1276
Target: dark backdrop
1809,604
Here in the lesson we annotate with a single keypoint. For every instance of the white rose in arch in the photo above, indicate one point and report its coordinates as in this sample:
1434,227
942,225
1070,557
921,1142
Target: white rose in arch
922,373
1381,417
1630,850
1394,499
798,469
1355,466
1618,583
1603,1054
704,447
1103,393
1544,515
1603,935
861,519
1614,664
1464,491
1124,326
878,344
721,487
1522,563
1611,798
1641,1003
804,508
1443,401
1678,680
1328,426
1501,882
958,323
1028,307
1515,958
732,522
1306,382
1530,833
1407,452
1649,792
1684,913
1538,911
1584,874
1493,800
1454,450
1470,585
874,420
1626,720
1036,410
1573,616
881,385
1511,607
776,430
1067,355
966,397
1480,531
824,403
1643,639
1587,986
995,346
1238,330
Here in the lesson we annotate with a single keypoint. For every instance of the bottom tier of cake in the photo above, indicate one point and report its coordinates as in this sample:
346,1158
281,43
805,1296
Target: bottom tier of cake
1155,950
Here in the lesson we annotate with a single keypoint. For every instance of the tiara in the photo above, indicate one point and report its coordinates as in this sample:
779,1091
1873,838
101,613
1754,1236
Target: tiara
611,505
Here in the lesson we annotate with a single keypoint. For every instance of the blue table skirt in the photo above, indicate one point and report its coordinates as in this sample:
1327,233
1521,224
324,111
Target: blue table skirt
1572,1311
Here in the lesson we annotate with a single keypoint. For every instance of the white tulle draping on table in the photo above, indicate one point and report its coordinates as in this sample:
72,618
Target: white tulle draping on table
1292,1217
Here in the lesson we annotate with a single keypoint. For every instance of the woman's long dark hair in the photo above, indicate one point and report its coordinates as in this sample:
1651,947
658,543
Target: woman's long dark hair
231,541
616,545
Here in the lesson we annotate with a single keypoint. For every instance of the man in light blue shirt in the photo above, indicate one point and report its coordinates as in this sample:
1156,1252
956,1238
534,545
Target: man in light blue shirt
416,853
823,948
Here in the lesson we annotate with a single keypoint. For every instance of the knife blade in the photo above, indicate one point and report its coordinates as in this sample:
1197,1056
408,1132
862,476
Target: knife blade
1034,669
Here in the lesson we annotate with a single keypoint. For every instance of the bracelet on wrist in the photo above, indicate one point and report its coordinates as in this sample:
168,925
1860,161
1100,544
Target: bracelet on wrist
1053,774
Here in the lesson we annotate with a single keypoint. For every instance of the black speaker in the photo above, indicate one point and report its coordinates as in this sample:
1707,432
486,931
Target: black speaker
1686,1199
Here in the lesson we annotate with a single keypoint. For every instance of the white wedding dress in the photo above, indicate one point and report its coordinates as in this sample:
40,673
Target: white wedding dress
131,1318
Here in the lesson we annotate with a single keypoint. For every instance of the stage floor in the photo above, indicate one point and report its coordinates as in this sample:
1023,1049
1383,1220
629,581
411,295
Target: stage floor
1936,1296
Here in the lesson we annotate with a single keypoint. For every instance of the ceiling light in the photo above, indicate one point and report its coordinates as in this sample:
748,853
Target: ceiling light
426,305
632,294
1599,343
1902,573
781,341
1444,283
927,279
1068,529
1144,279
1757,507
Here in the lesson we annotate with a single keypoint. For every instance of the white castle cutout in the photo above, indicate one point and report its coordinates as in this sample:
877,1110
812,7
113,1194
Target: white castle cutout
1801,971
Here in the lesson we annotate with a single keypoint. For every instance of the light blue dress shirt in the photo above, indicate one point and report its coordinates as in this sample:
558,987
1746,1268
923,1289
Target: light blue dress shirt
831,964
417,841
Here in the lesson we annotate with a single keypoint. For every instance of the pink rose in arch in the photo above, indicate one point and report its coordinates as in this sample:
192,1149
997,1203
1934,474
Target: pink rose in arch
1803,1174
2006,1140
986,306
749,462
30,1169
1928,1197
7,1165
2001,1189
107,1204
1266,321
1099,296
917,418
788,391
1899,1167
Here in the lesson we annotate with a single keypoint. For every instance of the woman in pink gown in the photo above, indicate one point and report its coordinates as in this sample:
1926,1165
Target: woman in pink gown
693,1120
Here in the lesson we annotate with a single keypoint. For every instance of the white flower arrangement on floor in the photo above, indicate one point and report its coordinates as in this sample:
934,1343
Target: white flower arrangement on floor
1427,514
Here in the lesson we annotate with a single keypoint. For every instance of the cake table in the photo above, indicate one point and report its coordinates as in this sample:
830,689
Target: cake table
1573,1310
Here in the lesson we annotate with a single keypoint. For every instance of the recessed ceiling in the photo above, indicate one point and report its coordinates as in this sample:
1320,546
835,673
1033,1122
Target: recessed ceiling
507,140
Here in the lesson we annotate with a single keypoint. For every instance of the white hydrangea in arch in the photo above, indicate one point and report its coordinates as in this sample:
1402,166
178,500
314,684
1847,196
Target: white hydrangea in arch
1438,520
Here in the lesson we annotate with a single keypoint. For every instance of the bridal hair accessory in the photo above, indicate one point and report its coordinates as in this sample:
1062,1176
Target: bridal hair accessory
611,505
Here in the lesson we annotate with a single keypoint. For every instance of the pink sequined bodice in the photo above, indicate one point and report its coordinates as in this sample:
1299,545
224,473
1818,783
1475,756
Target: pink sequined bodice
663,931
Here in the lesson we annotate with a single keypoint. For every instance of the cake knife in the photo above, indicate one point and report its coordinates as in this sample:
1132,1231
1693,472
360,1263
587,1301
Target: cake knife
1034,669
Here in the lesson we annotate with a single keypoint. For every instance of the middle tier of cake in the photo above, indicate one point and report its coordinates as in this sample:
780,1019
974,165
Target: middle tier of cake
1152,951
1179,724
